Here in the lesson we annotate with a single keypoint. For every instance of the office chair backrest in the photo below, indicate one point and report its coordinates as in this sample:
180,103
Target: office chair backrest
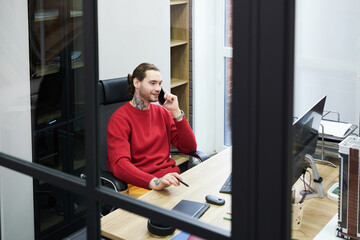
112,94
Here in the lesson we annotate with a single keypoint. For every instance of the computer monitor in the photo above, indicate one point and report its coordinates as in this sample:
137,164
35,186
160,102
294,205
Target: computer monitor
305,136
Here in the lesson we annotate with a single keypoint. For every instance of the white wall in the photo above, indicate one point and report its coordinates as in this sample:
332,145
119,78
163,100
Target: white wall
327,56
206,78
132,32
16,190
129,33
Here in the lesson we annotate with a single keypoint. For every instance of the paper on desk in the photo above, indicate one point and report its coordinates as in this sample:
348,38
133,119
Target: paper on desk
329,231
336,129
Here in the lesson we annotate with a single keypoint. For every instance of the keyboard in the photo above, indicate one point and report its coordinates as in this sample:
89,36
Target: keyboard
226,187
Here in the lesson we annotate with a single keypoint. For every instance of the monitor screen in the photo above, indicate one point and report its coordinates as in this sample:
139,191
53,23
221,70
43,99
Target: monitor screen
305,135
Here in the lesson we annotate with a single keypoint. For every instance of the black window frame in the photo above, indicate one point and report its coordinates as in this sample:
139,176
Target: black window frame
262,106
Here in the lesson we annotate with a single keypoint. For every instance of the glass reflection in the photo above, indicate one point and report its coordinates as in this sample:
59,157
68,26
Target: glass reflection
228,97
53,208
57,107
228,23
50,205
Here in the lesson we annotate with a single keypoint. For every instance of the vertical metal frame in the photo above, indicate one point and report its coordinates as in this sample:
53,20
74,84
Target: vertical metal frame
91,71
262,109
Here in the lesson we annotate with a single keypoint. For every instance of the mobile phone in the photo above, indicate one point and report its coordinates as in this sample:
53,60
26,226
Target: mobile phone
161,98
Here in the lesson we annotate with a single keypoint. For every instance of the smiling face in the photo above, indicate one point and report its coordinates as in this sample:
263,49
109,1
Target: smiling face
149,88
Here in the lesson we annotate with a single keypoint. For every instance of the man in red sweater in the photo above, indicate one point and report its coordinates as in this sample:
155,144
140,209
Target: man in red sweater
140,133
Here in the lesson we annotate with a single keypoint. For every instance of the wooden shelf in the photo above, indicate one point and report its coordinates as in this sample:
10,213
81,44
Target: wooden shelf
178,82
177,2
175,42
179,48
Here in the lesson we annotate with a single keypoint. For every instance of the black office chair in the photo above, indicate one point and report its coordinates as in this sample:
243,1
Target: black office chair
112,94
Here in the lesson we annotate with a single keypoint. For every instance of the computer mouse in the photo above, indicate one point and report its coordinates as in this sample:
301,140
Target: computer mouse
215,200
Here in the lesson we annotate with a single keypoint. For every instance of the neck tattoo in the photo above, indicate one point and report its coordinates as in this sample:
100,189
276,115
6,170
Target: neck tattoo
138,103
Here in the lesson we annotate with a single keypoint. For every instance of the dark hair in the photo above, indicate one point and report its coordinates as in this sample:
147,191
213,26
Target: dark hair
139,73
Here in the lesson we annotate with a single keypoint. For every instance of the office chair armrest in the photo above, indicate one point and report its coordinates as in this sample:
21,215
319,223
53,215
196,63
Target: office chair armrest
109,180
197,154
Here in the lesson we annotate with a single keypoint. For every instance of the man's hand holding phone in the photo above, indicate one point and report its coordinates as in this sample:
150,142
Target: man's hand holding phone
170,102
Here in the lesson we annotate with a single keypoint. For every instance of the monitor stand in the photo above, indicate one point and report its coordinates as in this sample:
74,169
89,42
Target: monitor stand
316,189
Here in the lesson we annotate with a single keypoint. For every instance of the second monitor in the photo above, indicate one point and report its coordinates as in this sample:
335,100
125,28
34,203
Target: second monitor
305,135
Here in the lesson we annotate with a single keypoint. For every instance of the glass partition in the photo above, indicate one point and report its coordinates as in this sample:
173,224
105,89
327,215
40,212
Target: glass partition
57,108
326,64
173,53
58,90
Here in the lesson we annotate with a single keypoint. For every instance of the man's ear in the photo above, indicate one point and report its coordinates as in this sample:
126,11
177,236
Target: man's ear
136,83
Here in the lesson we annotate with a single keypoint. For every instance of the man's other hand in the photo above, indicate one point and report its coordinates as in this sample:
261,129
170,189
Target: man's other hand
164,182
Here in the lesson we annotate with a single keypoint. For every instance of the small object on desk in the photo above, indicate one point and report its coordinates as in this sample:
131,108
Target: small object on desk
333,192
181,236
186,236
293,196
228,217
297,214
182,182
193,237
215,200
159,229
191,208
302,198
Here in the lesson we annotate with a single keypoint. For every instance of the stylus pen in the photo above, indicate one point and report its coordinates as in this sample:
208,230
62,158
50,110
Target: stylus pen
182,182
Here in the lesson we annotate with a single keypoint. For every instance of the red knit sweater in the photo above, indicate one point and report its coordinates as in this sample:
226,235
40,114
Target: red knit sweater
139,143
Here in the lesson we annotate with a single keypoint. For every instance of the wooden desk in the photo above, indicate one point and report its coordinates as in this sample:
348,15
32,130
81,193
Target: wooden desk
205,178
318,212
